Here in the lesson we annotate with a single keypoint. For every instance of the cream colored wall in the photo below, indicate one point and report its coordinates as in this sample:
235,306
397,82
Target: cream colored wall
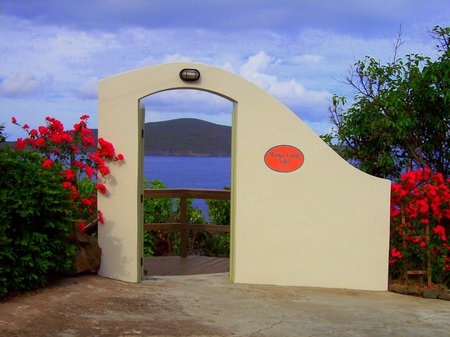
324,225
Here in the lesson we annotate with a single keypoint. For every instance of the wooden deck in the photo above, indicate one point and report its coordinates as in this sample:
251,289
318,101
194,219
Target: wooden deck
191,265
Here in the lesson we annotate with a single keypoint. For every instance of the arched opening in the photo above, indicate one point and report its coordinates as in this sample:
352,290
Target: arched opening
187,145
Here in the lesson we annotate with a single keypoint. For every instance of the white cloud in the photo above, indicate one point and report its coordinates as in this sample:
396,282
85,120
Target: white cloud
53,65
20,85
307,59
187,102
88,89
311,103
176,58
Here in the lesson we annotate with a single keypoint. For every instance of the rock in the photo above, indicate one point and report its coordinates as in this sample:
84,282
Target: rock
89,254
431,293
444,294
398,288
413,290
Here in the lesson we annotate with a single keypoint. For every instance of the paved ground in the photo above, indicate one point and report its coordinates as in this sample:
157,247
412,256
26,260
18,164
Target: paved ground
208,305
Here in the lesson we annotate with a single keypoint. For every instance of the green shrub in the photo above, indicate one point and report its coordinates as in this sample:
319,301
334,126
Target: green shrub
167,210
2,133
215,244
158,211
219,211
35,222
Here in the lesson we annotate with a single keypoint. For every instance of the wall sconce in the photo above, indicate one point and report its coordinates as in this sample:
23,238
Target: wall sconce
189,75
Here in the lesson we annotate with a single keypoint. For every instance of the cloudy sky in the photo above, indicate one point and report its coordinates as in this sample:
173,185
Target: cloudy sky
53,52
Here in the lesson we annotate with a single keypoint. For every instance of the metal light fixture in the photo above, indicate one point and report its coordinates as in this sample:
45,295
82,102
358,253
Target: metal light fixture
189,75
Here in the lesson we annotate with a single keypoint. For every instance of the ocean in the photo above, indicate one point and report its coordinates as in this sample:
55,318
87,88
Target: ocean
190,172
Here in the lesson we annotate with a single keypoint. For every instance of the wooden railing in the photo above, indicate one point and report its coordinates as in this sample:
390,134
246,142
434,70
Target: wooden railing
182,226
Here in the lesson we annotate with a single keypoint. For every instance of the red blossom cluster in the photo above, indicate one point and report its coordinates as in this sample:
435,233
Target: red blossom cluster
420,214
70,150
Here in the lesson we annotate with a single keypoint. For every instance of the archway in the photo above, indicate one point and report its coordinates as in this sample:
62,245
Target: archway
320,222
187,145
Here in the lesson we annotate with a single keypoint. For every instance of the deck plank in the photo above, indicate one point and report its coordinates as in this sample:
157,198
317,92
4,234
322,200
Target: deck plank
191,265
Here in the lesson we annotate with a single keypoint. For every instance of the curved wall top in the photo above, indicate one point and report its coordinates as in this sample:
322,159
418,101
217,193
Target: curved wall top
323,224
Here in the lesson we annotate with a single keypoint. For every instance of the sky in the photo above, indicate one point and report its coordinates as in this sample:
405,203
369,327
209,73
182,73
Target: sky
53,52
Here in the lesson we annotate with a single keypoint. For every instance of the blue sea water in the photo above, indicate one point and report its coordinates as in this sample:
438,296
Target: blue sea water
190,172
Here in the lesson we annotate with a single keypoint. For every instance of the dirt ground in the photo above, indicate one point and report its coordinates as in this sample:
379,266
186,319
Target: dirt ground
209,305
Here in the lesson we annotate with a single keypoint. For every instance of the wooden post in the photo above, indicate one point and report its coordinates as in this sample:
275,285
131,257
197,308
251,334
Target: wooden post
183,232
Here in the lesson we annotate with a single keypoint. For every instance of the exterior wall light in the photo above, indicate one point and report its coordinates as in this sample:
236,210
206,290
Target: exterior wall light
189,75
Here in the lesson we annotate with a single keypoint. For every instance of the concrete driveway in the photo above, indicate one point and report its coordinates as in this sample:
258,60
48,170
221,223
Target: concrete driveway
208,305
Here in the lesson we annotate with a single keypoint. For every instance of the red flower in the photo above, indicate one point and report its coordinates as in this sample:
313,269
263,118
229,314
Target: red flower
106,148
26,126
89,171
67,184
20,144
104,170
119,156
439,230
33,133
39,142
396,253
47,163
14,120
69,174
100,217
87,202
81,226
78,163
42,130
101,188
84,117
88,140
56,138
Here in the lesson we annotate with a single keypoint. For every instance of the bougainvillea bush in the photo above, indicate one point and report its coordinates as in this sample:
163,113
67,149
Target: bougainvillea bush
420,221
35,222
73,150
48,192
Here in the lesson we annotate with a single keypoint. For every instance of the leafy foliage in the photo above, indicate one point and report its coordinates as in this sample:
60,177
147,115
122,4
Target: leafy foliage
156,211
2,135
35,222
219,211
215,244
400,118
167,210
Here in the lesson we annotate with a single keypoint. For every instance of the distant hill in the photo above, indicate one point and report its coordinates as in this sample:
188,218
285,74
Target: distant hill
187,137
184,137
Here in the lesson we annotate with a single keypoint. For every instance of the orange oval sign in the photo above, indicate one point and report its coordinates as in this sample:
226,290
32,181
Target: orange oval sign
284,158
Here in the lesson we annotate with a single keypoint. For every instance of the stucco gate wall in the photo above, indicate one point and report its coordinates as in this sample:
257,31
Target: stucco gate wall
325,224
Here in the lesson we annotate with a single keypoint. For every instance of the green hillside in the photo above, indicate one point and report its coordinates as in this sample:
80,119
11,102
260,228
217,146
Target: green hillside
187,137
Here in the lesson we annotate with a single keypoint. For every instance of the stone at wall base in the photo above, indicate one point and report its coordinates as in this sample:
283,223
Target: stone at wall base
432,293
398,288
444,294
441,293
89,254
